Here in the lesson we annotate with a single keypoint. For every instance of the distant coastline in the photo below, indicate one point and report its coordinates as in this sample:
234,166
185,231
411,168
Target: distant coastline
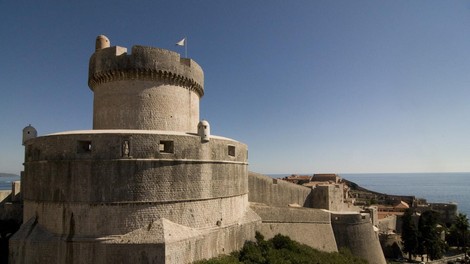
6,179
5,175
343,175
435,187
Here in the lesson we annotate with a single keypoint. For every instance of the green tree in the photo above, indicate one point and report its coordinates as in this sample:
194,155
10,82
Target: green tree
409,233
461,224
429,238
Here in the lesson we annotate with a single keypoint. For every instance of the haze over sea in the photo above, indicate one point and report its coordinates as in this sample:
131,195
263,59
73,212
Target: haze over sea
434,187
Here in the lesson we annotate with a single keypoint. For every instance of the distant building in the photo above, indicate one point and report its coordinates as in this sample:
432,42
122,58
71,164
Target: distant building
326,177
387,210
297,179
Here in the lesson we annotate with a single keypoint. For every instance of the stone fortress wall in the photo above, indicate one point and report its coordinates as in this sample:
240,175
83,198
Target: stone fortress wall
11,207
328,196
274,192
307,226
149,184
181,184
326,229
355,232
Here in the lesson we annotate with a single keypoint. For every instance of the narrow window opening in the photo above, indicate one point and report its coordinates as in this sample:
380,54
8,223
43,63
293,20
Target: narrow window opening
84,147
231,151
166,147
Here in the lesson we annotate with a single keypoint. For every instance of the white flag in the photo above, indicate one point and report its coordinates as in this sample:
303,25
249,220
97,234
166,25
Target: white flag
181,42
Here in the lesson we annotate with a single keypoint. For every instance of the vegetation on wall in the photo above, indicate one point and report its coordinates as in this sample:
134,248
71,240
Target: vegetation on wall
281,249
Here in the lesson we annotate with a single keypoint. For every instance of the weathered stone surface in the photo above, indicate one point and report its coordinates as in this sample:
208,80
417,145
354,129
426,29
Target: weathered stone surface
151,88
355,232
318,228
193,170
304,225
329,197
264,189
162,241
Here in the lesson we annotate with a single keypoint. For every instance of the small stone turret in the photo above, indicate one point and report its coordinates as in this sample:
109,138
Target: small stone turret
29,132
204,130
150,89
102,42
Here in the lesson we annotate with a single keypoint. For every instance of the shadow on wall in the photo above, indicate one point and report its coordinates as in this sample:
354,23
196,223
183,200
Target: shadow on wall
308,201
7,229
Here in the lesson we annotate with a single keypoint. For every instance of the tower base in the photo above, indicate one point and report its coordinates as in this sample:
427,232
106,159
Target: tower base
162,241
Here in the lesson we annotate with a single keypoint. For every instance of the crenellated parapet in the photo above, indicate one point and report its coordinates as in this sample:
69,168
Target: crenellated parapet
145,63
148,89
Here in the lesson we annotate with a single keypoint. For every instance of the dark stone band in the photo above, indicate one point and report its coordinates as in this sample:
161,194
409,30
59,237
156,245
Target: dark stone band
145,74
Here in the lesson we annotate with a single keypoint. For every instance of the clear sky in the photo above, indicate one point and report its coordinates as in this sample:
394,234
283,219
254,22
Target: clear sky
310,86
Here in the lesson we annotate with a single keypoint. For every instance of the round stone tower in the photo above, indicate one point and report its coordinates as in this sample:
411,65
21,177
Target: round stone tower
149,89
143,185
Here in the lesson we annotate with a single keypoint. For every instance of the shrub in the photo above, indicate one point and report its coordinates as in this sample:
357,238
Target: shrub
283,250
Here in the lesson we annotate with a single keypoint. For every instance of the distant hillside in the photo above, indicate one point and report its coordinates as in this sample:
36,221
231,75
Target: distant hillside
8,175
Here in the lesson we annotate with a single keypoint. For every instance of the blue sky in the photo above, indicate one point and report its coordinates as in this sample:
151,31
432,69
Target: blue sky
310,86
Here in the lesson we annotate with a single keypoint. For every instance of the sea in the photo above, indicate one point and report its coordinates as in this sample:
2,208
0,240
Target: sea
5,181
442,187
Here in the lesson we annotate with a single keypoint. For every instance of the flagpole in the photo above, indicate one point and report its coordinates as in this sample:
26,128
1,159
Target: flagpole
183,42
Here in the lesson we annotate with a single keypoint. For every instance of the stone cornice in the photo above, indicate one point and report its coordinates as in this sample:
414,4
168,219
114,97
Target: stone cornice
145,74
